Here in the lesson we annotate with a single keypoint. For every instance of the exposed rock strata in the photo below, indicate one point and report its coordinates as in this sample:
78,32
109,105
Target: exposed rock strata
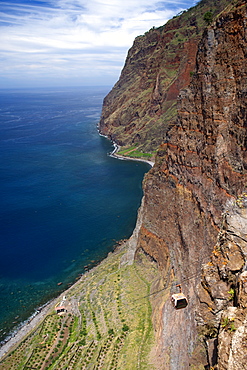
222,314
200,169
142,105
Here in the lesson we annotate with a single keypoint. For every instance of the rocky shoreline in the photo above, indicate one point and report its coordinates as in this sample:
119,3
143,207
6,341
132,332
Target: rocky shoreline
26,328
30,324
117,148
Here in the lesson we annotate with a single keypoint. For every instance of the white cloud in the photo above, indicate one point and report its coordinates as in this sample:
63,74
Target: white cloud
71,38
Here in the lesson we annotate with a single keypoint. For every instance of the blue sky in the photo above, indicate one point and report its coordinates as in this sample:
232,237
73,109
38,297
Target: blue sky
73,42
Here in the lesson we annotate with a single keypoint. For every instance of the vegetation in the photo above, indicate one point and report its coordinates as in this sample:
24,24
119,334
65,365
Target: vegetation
228,324
231,294
208,17
133,152
141,107
107,324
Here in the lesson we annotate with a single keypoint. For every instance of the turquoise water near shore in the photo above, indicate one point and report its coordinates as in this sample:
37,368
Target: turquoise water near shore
64,201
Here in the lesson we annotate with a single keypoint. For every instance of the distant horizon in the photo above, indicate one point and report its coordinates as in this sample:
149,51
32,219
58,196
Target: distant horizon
74,42
49,87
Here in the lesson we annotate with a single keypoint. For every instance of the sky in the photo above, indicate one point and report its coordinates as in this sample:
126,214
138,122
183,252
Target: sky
74,42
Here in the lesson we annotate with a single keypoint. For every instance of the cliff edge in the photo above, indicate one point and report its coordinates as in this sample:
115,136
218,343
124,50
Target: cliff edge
193,217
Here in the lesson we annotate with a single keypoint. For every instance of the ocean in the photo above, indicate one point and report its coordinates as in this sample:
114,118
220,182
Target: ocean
64,201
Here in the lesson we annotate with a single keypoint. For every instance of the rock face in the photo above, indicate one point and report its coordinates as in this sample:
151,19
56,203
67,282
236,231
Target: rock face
193,219
142,105
199,171
222,313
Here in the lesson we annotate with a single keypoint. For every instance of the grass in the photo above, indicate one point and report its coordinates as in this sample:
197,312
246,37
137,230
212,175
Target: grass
137,154
133,152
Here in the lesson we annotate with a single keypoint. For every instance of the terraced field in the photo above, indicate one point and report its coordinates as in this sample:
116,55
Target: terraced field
106,325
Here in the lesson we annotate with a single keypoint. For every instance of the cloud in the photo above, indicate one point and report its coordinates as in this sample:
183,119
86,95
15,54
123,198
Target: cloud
74,40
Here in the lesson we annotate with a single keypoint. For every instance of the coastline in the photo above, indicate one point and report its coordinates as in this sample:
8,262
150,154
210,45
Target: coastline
26,327
31,324
37,317
96,294
115,154
34,320
116,149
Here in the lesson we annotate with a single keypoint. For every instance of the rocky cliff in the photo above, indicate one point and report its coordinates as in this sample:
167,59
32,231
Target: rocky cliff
193,219
142,105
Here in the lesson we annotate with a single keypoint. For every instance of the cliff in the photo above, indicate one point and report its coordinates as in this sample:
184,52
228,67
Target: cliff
193,219
191,230
141,107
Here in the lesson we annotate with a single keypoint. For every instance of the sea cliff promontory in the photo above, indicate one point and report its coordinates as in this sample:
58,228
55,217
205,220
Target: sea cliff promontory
191,226
142,106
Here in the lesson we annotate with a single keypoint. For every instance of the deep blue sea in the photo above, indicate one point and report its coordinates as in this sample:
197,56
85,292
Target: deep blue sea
64,201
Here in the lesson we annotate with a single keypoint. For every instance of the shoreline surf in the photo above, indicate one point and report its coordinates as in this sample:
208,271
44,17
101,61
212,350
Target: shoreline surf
121,157
29,325
117,148
34,320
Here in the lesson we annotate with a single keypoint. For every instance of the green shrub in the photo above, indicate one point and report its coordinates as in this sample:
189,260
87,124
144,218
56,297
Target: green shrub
208,17
125,327
225,322
82,342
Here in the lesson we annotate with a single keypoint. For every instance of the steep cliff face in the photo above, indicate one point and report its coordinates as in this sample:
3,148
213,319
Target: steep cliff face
142,105
199,172
193,217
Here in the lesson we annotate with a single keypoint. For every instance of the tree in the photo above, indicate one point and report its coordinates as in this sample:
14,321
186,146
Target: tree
208,17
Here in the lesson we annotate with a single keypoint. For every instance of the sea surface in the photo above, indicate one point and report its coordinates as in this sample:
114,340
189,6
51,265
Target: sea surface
64,202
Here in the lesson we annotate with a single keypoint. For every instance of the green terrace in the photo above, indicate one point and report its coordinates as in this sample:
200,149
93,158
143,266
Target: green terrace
133,152
103,322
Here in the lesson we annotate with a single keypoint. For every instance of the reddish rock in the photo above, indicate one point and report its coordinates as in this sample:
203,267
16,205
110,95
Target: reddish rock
193,218
142,105
199,172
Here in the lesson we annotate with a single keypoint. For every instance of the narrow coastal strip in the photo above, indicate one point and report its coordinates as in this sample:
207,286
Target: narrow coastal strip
115,154
117,148
26,328
29,325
